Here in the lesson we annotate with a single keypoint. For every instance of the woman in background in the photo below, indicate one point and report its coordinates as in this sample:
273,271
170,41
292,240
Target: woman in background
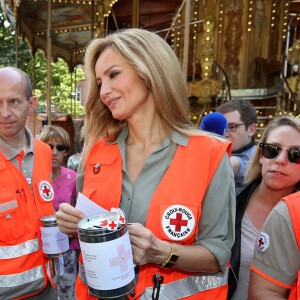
64,185
275,269
272,174
74,160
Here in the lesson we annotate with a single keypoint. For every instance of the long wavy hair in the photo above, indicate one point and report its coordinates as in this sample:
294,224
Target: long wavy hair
254,169
156,63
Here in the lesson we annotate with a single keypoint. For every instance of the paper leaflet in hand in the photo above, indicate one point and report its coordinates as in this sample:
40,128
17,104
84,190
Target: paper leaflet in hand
88,207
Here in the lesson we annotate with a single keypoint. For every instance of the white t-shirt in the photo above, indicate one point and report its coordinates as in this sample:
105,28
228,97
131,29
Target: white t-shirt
248,237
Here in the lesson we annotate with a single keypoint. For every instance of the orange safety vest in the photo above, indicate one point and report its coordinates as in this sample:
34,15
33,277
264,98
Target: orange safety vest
181,191
293,204
22,264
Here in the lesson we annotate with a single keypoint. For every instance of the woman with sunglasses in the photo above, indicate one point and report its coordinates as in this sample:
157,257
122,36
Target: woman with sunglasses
64,185
273,173
275,267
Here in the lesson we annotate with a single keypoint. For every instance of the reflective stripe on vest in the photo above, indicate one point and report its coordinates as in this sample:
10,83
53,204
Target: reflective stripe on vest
21,278
28,247
188,286
180,288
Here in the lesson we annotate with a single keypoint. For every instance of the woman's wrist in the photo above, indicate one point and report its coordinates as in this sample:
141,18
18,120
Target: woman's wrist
171,259
159,252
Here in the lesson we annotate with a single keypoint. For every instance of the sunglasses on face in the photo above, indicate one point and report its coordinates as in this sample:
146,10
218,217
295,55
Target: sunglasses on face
59,147
271,151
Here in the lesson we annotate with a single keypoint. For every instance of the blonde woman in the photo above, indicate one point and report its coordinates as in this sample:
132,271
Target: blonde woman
273,173
156,167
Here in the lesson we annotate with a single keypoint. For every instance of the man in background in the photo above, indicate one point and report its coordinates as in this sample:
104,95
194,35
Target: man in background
26,194
241,117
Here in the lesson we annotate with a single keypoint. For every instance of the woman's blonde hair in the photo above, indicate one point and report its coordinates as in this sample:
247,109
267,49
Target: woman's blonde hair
254,169
56,132
156,63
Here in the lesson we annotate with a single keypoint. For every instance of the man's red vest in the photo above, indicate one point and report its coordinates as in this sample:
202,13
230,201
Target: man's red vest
22,264
181,190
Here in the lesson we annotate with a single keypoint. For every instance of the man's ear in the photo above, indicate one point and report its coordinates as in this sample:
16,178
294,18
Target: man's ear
32,104
252,129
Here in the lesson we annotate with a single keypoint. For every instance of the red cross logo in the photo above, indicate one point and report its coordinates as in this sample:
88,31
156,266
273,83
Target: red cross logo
122,219
260,242
46,190
122,258
112,225
178,222
263,241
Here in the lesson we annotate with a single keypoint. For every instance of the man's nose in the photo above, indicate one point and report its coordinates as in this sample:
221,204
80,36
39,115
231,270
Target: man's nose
5,110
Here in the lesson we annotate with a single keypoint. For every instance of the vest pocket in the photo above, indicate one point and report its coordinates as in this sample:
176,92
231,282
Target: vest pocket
88,191
11,217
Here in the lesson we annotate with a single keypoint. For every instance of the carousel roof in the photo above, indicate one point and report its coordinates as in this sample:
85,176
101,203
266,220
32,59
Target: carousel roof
75,22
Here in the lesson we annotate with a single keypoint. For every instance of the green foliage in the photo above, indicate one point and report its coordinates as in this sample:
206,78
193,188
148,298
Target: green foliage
63,82
62,85
8,46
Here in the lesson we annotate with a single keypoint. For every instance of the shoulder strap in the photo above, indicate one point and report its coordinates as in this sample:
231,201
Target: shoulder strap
242,201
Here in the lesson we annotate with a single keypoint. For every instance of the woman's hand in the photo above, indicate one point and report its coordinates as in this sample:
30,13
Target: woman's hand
68,217
146,247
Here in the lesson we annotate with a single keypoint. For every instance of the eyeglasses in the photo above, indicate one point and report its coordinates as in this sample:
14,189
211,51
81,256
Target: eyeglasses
232,127
271,151
59,147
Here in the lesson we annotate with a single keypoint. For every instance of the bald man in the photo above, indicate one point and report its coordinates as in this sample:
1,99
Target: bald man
26,194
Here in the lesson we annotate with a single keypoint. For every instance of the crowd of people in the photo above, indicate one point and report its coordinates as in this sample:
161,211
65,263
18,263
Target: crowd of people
209,216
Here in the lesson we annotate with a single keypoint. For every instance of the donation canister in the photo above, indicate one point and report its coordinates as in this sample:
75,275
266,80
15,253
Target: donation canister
107,255
55,243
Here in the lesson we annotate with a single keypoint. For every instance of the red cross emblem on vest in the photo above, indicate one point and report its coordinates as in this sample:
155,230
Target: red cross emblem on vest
46,191
178,222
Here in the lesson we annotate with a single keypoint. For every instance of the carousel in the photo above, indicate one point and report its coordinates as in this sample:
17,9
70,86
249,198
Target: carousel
228,48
